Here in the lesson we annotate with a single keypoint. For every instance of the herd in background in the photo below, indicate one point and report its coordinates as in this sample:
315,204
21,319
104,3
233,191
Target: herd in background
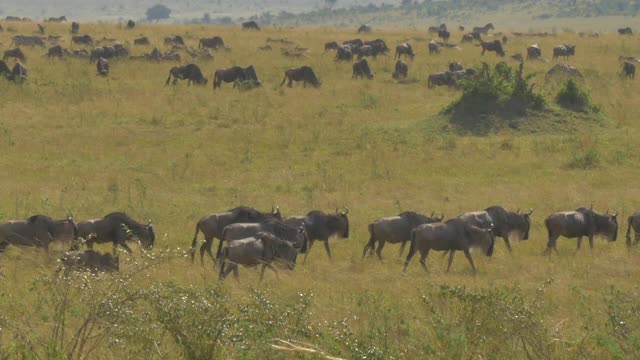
349,50
249,237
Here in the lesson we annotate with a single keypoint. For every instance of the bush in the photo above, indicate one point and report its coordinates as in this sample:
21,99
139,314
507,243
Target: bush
574,97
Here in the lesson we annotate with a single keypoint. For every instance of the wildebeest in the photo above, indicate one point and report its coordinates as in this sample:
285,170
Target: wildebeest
265,48
484,30
508,222
212,226
75,27
494,45
297,236
56,51
467,38
131,24
321,226
439,79
141,41
401,70
444,34
534,52
175,40
57,19
368,50
14,53
331,45
517,57
404,49
433,47
395,229
353,43
565,50
633,223
235,74
579,223
36,231
190,72
379,45
361,69
215,42
452,235
250,25
261,249
304,74
40,29
90,260
4,69
436,29
455,66
344,53
629,69
18,72
108,52
625,31
22,40
364,28
102,67
82,39
116,228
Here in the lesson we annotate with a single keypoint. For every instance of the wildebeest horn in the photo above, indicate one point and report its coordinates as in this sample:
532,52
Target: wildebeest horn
530,211
346,210
607,211
149,223
432,213
518,211
614,215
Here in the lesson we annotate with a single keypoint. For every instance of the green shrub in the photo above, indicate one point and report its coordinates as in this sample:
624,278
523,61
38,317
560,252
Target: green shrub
574,97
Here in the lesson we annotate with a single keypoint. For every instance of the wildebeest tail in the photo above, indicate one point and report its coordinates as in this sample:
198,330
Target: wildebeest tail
283,80
371,243
628,236
412,248
194,243
169,78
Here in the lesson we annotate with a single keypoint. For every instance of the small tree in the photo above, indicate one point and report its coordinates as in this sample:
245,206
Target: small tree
158,12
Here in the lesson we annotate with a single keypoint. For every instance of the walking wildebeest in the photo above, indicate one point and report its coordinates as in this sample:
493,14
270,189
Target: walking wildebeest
332,45
629,69
444,34
434,48
401,70
90,260
304,74
102,67
250,25
579,223
455,234
131,24
565,50
364,28
507,222
361,69
57,19
116,228
212,226
235,74
404,49
75,27
625,31
394,230
22,40
141,41
36,231
321,226
14,53
215,42
297,236
467,38
455,66
534,52
56,51
82,39
484,30
367,50
344,53
176,40
190,72
494,45
261,249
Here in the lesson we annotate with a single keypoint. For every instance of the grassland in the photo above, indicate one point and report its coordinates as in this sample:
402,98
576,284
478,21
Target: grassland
71,140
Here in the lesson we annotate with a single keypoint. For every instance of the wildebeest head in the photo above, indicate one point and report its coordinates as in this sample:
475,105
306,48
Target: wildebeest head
607,225
148,236
275,212
482,238
284,251
341,221
522,222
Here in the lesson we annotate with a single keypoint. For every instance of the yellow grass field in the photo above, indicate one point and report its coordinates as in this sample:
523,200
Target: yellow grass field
71,140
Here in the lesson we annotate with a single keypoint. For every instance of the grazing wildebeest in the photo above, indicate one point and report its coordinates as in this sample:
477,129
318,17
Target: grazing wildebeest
265,48
131,24
212,226
215,42
394,230
332,45
361,69
116,228
344,53
102,66
19,72
141,41
461,28
517,57
434,48
505,39
368,50
507,222
108,52
439,79
379,45
250,25
297,236
22,40
444,34
190,72
56,51
534,52
321,226
494,45
75,27
89,260
235,74
57,19
579,223
82,39
565,50
467,38
40,29
364,28
304,74
436,29
401,70
176,40
625,31
14,53
404,49
484,30
629,69
455,66
455,234
36,231
354,43
261,249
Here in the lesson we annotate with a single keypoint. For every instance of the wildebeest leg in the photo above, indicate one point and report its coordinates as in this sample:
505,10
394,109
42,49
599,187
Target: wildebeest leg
290,84
468,255
218,252
379,250
579,243
551,244
3,246
125,247
423,259
368,246
208,242
451,253
591,242
637,238
402,248
264,267
308,251
506,242
326,246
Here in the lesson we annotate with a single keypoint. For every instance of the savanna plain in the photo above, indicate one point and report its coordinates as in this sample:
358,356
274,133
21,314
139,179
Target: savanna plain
74,141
